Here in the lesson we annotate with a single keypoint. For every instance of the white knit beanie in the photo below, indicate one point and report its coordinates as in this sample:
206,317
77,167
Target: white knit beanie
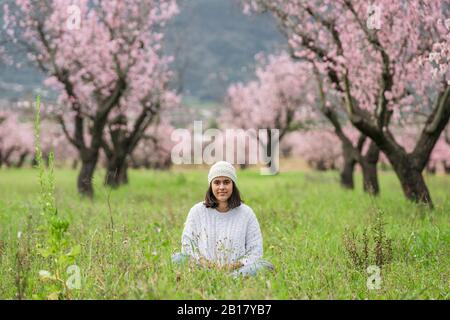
224,169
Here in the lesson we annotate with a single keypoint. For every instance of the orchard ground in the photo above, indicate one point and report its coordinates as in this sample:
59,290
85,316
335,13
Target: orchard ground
127,236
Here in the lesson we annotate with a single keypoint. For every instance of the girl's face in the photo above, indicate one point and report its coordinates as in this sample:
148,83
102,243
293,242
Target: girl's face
222,188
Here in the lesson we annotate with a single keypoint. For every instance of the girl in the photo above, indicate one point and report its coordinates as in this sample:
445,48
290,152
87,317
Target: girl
222,231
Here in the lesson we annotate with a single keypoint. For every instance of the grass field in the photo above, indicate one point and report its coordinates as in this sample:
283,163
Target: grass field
127,237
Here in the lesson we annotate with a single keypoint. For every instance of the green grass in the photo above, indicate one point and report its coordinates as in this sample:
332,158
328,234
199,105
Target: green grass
303,217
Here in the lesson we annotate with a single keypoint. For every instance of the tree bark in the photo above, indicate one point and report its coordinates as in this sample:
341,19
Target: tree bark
348,169
5,159
272,165
352,154
370,179
85,177
411,180
135,164
74,164
407,166
446,167
122,143
21,161
269,147
369,169
117,172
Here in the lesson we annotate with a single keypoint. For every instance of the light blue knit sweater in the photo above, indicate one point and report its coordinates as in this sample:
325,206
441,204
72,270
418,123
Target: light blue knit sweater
222,237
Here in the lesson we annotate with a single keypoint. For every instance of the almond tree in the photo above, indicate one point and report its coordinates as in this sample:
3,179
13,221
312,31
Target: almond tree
373,57
130,123
320,148
154,149
16,140
286,97
275,100
94,53
440,157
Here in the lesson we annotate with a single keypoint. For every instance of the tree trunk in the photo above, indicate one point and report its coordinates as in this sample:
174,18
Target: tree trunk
117,172
116,155
369,169
407,166
321,166
134,163
125,173
21,160
353,155
415,188
348,169
269,147
411,179
446,167
6,157
272,164
74,164
370,178
85,177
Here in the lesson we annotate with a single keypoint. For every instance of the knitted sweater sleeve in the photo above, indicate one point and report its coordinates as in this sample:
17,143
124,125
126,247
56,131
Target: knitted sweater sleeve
190,236
253,242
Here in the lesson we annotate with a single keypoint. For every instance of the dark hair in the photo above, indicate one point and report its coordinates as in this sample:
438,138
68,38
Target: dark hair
233,202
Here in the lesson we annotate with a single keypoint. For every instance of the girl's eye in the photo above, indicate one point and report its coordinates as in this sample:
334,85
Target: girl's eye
224,182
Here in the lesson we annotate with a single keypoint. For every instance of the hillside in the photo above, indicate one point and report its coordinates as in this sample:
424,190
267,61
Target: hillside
213,43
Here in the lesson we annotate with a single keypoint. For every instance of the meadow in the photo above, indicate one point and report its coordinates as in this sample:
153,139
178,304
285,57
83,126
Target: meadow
125,237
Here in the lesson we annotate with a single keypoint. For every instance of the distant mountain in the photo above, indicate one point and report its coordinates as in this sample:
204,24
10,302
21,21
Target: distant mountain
213,43
217,43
